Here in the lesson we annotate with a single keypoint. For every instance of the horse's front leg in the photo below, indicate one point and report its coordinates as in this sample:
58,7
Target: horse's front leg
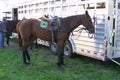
60,49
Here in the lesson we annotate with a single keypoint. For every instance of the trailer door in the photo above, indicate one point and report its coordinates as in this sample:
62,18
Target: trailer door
116,34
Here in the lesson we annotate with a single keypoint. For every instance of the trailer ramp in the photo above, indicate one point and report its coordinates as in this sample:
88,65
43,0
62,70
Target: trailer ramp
116,60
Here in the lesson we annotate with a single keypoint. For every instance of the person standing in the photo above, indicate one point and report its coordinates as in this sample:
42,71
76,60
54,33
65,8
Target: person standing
2,32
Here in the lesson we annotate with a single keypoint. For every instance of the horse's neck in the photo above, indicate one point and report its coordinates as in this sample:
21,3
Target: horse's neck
70,23
75,22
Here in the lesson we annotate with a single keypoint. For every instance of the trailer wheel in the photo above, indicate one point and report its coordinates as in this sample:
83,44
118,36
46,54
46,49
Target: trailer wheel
53,48
68,52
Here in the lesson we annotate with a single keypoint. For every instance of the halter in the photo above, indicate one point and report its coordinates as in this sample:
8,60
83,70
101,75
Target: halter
87,29
89,34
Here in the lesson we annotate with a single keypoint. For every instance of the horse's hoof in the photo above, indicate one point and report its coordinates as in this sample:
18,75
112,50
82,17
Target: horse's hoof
27,63
62,64
60,67
7,45
19,48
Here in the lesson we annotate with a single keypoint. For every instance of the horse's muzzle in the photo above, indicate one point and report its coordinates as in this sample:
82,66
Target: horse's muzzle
91,32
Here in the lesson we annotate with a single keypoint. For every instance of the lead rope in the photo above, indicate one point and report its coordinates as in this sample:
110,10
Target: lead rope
52,36
80,31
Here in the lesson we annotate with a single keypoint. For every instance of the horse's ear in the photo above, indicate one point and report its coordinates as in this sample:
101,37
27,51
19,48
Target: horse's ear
86,12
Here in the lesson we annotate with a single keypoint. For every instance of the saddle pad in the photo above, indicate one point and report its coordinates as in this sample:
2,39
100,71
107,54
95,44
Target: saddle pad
44,24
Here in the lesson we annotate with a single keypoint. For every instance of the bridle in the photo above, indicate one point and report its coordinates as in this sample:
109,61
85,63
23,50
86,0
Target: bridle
87,29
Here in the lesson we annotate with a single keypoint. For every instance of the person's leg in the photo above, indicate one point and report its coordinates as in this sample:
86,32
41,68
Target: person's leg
3,38
0,39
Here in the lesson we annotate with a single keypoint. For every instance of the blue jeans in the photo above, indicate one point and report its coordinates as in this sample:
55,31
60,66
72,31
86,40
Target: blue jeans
2,36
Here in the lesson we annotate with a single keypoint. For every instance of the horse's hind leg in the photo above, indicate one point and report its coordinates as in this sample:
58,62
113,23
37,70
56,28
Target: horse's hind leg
26,57
19,40
7,40
36,44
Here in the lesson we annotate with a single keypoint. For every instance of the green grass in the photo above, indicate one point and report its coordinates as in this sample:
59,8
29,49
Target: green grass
43,67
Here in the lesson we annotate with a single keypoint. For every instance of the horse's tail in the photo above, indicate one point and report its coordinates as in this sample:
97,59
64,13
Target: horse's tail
17,26
19,40
19,36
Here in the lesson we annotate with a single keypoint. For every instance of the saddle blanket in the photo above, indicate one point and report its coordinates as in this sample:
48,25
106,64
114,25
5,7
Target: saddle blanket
51,24
44,24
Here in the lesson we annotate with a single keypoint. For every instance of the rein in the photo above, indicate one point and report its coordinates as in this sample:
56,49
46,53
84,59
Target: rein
80,31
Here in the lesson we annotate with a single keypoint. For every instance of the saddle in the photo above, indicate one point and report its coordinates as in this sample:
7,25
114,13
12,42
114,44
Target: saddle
50,24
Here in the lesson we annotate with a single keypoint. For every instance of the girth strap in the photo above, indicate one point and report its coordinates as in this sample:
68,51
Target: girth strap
54,36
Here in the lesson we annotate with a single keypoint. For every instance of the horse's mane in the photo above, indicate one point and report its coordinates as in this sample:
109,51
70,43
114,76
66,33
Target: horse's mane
71,17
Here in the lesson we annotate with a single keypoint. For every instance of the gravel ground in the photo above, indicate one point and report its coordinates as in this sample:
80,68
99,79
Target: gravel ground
12,45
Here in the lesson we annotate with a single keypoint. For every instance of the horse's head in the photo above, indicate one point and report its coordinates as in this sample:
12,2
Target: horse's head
87,23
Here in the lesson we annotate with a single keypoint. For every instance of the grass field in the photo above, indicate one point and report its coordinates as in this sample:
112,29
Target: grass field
43,67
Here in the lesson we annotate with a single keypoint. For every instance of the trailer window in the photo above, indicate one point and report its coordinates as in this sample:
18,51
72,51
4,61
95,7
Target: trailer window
118,5
98,5
101,5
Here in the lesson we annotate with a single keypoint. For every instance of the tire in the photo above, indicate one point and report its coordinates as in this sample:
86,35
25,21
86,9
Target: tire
53,48
68,52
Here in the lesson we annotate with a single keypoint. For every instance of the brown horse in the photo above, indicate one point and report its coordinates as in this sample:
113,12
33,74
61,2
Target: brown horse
29,30
11,27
